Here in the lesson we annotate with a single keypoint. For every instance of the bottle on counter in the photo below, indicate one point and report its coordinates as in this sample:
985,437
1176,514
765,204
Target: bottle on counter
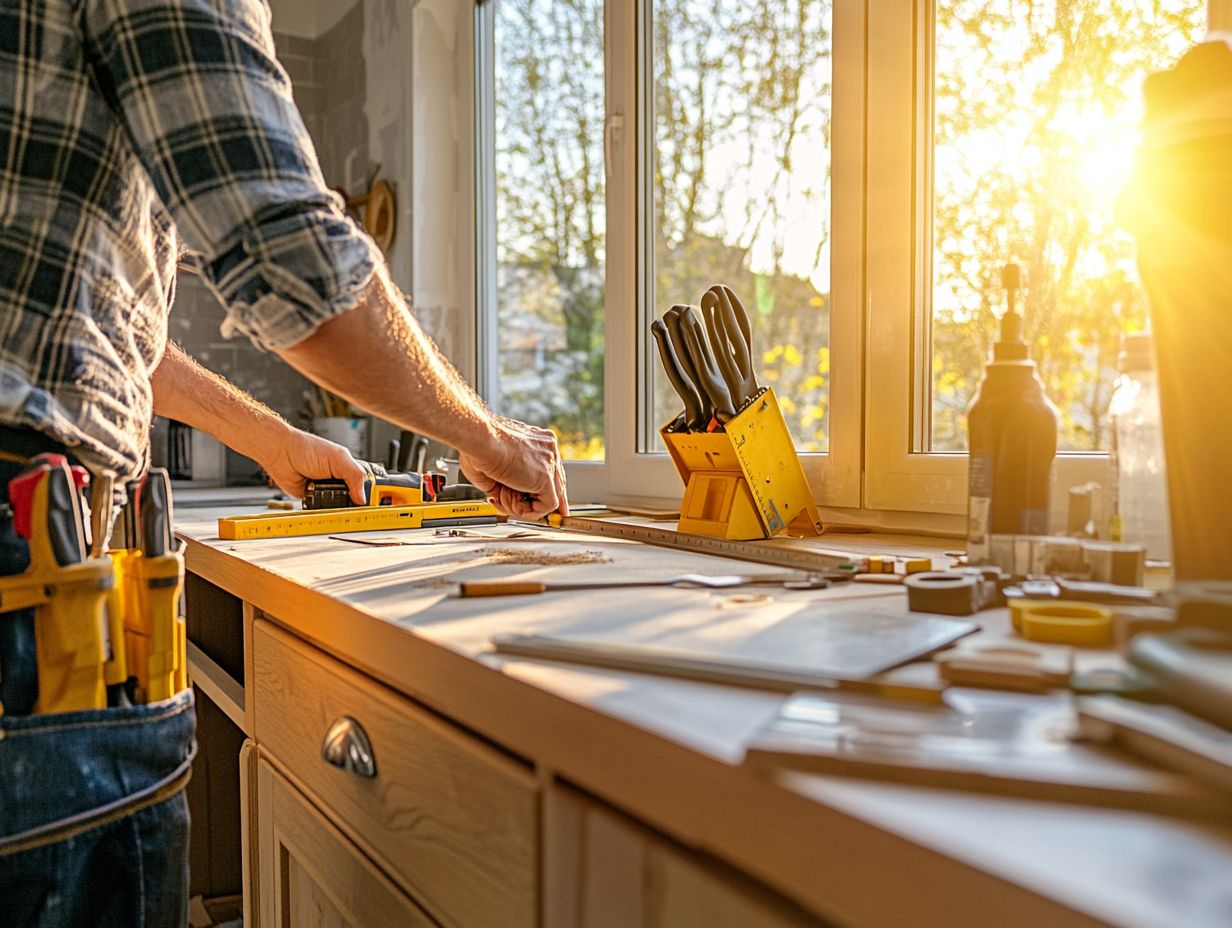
1012,438
1141,488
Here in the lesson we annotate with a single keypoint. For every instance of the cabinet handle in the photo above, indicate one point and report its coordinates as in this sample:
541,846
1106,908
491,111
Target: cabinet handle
347,747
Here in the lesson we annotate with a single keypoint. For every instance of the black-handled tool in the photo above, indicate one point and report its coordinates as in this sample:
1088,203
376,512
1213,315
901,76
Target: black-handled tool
675,333
708,377
465,492
730,333
380,489
412,454
156,513
676,376
64,517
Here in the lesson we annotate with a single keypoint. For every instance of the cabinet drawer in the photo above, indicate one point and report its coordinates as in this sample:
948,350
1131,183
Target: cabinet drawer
451,819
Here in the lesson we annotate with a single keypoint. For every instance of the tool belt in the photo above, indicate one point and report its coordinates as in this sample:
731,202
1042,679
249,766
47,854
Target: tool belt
106,625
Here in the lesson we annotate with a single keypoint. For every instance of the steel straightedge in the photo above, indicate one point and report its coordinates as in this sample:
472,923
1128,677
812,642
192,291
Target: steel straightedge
780,552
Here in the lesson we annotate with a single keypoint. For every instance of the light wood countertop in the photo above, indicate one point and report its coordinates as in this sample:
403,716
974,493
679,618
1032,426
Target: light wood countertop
667,751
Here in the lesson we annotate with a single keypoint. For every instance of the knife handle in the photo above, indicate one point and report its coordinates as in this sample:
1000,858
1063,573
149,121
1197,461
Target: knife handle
708,377
676,334
499,588
671,364
727,324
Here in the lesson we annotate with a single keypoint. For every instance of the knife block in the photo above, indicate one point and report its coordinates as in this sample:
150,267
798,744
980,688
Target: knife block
745,482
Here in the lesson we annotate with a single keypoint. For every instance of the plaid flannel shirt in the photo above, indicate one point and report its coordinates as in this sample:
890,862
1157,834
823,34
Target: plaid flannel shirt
134,133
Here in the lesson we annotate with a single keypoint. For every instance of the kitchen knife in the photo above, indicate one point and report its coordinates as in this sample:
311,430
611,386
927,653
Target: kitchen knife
671,319
693,416
708,376
730,335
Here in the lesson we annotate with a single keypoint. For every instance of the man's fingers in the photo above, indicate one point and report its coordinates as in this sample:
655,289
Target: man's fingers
348,469
562,491
523,505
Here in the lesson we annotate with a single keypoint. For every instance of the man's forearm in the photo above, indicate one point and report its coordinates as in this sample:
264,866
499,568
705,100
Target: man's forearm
188,393
378,357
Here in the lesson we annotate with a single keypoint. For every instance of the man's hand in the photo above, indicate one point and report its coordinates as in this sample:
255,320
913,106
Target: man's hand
520,470
299,457
187,392
376,356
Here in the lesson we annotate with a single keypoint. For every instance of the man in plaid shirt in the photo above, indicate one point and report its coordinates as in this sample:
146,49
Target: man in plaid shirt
138,135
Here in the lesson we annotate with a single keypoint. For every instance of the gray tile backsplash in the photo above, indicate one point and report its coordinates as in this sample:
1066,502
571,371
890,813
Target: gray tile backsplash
328,81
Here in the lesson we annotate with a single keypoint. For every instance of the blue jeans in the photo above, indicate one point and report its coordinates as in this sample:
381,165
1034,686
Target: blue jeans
93,816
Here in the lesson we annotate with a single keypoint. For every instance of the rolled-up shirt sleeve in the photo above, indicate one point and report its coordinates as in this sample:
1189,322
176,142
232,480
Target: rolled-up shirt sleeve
208,112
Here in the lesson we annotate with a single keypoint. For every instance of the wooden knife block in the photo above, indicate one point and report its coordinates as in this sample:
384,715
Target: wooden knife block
746,482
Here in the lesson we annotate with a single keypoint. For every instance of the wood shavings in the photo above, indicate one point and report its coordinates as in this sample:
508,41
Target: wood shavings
740,600
543,558
435,583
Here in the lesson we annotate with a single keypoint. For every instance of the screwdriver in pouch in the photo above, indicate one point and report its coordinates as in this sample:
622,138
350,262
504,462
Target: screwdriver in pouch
155,632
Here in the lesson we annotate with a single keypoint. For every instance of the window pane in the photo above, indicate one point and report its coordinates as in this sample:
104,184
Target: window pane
550,217
742,184
1037,107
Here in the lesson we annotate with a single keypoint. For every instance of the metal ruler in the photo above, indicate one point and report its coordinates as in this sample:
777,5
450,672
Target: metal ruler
780,552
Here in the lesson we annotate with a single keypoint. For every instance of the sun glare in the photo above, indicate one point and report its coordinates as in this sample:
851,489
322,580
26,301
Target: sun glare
1037,112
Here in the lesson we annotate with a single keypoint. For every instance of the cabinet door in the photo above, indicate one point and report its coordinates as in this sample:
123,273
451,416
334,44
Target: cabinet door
452,820
311,876
603,870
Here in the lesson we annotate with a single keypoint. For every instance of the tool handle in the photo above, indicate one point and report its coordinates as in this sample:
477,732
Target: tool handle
156,513
671,364
500,588
100,513
419,455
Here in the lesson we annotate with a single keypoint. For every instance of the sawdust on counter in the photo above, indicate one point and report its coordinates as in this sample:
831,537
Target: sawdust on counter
542,558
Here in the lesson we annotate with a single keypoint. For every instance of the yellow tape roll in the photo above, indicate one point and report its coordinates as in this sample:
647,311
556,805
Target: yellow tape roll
1082,624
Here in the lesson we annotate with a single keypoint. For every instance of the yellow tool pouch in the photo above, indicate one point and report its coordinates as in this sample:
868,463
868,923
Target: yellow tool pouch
154,632
69,627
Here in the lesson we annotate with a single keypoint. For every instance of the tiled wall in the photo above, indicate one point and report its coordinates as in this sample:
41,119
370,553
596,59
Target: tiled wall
329,83
353,85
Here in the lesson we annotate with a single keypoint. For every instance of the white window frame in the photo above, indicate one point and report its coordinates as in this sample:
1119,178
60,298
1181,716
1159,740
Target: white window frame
878,470
637,476
901,474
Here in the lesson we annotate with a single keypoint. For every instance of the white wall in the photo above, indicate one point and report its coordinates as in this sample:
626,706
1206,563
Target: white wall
443,114
388,58
308,19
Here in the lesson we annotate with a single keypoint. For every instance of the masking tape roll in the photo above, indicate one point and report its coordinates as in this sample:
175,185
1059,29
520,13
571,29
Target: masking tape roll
1020,604
945,592
1081,624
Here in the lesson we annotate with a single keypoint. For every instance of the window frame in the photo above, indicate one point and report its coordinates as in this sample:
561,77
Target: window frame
878,469
638,476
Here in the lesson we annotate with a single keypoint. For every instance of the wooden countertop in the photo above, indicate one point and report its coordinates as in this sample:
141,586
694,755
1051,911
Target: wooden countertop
667,751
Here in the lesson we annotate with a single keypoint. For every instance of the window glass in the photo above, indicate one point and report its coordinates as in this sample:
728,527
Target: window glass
550,219
741,184
1036,113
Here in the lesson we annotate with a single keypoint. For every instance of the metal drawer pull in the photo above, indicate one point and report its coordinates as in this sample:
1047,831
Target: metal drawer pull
346,745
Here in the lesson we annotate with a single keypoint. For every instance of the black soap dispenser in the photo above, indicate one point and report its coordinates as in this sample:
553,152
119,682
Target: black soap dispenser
1012,437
